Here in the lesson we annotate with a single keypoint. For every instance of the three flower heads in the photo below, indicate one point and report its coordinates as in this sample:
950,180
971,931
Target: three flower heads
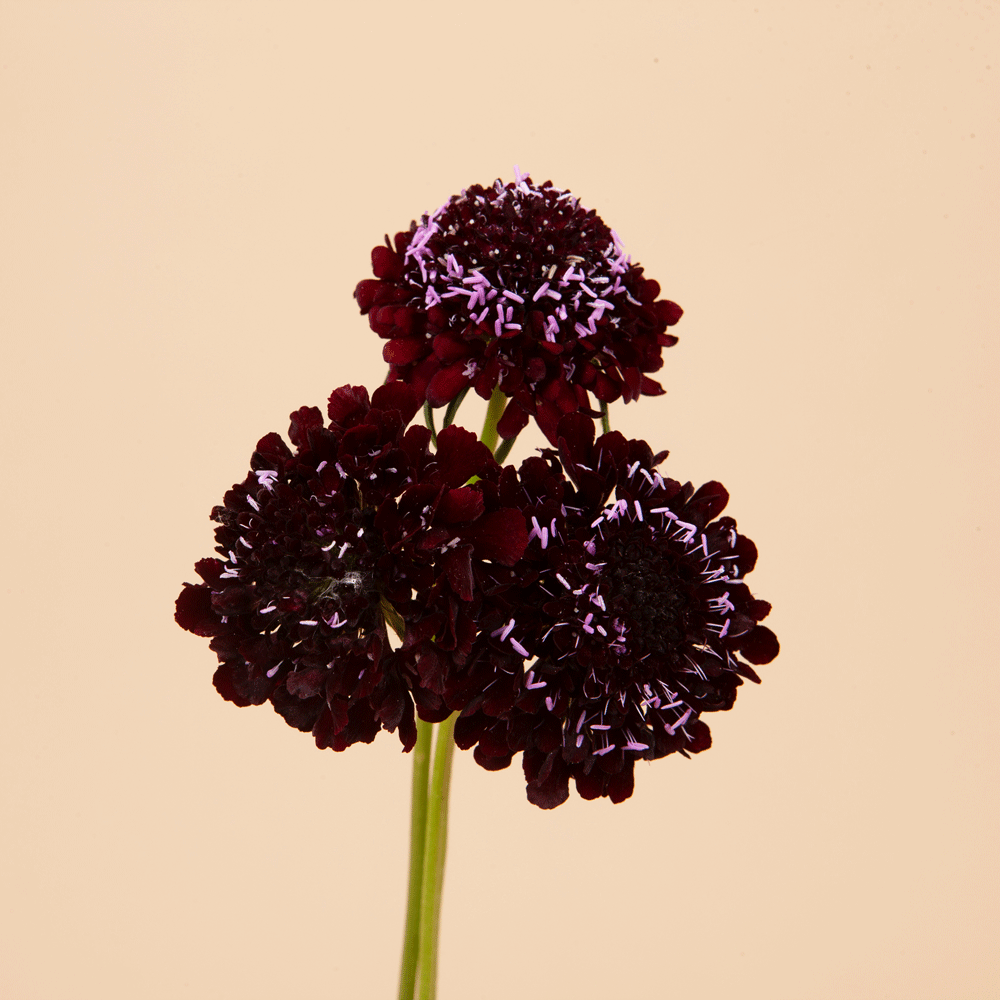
581,609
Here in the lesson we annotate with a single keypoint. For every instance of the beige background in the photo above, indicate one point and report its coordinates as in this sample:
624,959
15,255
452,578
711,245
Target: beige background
189,194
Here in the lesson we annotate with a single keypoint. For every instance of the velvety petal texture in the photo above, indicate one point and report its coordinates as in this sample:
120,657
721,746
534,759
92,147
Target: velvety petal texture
632,620
361,528
517,286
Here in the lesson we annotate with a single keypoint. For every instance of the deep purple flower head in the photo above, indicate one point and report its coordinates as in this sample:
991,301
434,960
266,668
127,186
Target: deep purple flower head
322,546
517,287
633,619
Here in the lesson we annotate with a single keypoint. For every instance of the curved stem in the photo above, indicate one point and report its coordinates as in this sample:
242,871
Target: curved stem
449,414
494,412
434,856
429,420
504,450
418,827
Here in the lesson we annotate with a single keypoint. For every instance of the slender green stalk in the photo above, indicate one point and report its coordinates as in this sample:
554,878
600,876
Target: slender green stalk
429,420
504,450
493,414
605,420
434,857
449,414
418,827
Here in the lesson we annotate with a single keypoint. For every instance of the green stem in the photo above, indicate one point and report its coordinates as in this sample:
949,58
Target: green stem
418,827
429,420
504,450
493,414
449,414
434,856
605,421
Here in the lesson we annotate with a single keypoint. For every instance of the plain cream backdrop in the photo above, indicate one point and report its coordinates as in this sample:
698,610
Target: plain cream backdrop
190,192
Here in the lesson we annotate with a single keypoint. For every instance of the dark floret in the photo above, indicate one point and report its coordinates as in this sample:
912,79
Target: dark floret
633,621
360,530
519,287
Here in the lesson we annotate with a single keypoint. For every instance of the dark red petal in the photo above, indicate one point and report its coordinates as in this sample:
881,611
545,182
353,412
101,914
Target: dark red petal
463,504
403,350
633,383
604,388
493,742
396,396
415,442
390,708
243,684
701,737
193,610
299,713
408,727
576,438
746,552
210,569
487,378
348,405
303,420
469,729
547,416
668,312
402,242
271,451
365,293
446,384
744,670
709,501
501,535
307,683
460,456
548,779
233,600
590,786
620,785
492,763
223,681
450,349
386,264
759,645
535,369
513,421
458,567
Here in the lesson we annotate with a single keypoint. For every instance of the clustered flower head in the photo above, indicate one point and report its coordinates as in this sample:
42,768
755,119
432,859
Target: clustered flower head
633,619
519,287
361,526
580,609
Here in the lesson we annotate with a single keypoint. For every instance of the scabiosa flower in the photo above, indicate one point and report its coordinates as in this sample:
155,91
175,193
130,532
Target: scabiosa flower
631,623
517,287
361,525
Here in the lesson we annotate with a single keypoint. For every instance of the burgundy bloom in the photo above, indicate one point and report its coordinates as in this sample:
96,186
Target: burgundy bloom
521,288
635,610
361,525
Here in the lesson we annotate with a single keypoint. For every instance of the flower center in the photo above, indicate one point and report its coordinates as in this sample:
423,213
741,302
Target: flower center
347,582
643,581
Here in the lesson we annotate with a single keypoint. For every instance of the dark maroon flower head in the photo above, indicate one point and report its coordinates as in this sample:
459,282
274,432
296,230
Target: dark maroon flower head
635,609
520,287
322,546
